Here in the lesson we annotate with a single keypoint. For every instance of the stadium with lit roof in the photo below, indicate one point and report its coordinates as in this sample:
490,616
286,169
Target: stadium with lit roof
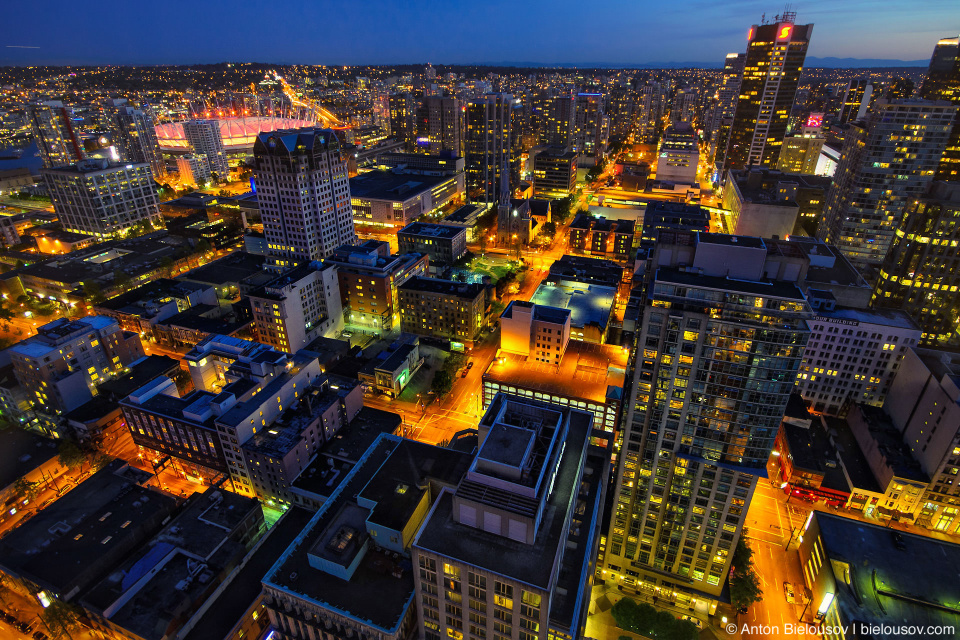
238,134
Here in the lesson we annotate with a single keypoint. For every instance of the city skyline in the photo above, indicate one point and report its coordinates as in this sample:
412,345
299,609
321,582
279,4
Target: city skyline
703,34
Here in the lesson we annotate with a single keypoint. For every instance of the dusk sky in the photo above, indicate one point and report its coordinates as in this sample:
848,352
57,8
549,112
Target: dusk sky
453,31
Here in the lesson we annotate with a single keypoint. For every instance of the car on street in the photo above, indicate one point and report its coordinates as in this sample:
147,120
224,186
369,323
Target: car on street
788,592
694,621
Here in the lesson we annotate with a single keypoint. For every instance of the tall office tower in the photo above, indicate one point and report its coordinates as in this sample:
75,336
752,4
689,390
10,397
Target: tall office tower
438,124
943,83
684,106
855,102
888,160
649,110
771,71
403,112
304,195
57,142
723,332
590,124
511,550
488,145
557,130
205,137
380,109
727,96
103,198
920,273
134,135
622,111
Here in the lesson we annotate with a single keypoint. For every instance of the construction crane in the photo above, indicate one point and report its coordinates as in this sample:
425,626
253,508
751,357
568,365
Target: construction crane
320,114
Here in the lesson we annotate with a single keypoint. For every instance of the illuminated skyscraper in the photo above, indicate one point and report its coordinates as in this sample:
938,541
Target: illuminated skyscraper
134,135
716,360
488,145
726,106
403,111
771,72
943,83
557,128
921,273
205,137
53,130
888,161
856,99
438,125
304,195
590,124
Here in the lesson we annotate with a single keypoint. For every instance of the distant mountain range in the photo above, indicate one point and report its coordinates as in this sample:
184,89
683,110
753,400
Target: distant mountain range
811,61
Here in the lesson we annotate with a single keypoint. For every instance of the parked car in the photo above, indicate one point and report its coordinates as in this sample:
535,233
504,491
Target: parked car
39,635
694,621
788,592
470,365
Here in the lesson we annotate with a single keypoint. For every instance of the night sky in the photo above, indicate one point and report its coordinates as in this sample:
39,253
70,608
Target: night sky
616,32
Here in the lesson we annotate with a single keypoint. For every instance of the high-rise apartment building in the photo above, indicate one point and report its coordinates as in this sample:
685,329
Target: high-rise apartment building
442,308
722,336
557,129
205,137
554,173
488,145
403,112
888,161
622,110
103,198
193,169
298,307
61,366
439,124
857,97
52,128
134,135
509,552
921,273
771,72
590,124
727,96
943,83
679,155
684,106
800,154
304,195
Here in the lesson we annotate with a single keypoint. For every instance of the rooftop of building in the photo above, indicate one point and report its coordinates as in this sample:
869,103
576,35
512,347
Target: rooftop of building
586,270
775,288
98,262
884,584
428,230
243,588
541,312
93,165
21,452
883,317
393,186
397,358
589,371
140,301
941,364
760,185
443,287
467,214
532,564
290,141
140,372
828,265
57,546
854,462
381,588
810,446
895,451
589,304
338,456
178,565
274,289
236,267
51,336
600,223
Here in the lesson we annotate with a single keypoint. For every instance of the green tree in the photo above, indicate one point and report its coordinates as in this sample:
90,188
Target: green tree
92,292
549,230
442,383
70,455
496,308
121,279
166,266
560,209
24,489
203,246
60,617
453,362
482,239
744,583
